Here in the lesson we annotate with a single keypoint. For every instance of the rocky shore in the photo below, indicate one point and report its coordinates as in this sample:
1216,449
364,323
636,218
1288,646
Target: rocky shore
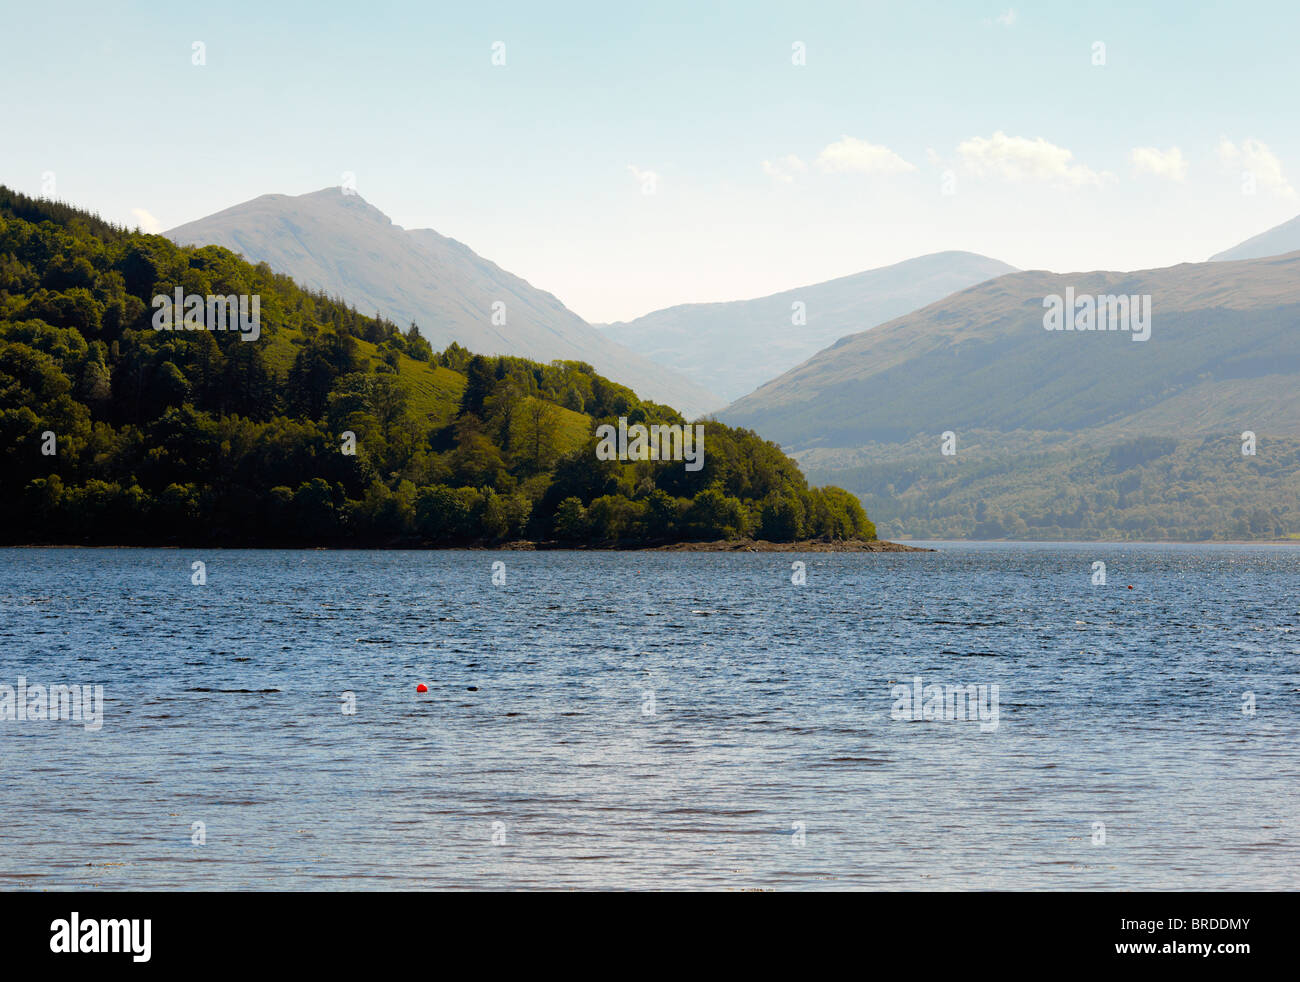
806,545
736,545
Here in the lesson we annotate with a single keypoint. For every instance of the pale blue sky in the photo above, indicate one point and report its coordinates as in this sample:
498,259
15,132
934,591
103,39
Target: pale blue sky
536,164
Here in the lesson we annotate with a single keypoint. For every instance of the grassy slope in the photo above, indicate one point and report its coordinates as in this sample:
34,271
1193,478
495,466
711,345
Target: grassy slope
434,391
1222,334
1037,413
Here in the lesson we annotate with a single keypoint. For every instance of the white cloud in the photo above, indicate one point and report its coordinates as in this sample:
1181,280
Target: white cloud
1168,164
1007,18
785,168
1021,160
1259,160
146,221
850,155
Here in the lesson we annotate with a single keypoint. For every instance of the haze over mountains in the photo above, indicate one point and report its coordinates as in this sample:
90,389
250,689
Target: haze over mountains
732,348
342,245
1030,406
1276,241
1224,337
1059,434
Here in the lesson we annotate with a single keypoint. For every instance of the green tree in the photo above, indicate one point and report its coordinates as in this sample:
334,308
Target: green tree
571,524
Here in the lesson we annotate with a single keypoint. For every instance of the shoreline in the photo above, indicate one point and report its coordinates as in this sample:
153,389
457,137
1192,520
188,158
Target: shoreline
720,545
805,545
529,545
1118,542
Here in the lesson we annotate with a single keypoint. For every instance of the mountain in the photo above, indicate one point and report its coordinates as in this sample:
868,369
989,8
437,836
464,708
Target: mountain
1052,427
1223,336
340,244
325,426
1276,241
732,348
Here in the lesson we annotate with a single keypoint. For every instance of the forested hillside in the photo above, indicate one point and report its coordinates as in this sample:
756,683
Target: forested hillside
113,432
334,240
1045,422
1047,486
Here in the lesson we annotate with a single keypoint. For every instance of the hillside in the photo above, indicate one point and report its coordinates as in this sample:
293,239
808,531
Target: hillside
1037,413
732,348
1274,242
1223,348
322,426
1048,486
340,245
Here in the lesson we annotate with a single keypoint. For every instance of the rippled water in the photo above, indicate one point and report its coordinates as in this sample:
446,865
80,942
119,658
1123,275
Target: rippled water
771,715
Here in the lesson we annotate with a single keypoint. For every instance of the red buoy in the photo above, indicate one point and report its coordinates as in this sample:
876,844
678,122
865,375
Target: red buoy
421,688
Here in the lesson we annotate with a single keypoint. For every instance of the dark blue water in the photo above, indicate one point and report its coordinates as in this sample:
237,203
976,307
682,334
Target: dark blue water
770,759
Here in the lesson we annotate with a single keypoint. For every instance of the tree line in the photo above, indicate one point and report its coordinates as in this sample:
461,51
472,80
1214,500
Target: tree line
198,437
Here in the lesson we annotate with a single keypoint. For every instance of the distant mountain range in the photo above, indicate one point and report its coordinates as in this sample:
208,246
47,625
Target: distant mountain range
1059,434
1224,348
732,348
342,245
1223,358
1276,241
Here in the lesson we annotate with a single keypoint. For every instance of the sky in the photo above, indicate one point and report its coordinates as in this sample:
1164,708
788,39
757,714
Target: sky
632,157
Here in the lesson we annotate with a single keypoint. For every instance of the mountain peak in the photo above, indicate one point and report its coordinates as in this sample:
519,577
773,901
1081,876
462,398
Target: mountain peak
733,347
1276,241
349,200
1222,349
339,243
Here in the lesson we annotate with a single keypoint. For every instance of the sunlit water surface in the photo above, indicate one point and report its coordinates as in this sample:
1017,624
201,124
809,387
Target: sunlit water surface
652,720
